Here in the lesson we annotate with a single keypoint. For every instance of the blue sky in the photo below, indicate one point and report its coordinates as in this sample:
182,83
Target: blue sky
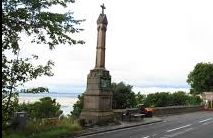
150,44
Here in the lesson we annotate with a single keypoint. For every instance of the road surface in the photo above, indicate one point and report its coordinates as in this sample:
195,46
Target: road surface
190,125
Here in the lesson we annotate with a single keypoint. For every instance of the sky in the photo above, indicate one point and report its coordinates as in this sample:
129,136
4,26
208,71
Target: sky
150,44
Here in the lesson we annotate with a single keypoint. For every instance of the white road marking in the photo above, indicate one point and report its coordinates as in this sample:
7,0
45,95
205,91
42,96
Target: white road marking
154,135
205,120
207,123
176,134
146,137
178,128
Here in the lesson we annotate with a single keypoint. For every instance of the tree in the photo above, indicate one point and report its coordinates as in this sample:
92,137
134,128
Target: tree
78,106
123,96
140,98
44,108
201,78
159,99
179,98
164,99
34,19
194,100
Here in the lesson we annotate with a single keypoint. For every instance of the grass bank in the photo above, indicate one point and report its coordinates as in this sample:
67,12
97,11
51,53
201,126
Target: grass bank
46,129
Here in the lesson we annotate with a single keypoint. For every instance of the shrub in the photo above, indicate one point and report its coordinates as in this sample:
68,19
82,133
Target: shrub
167,99
45,108
78,106
194,100
158,100
179,98
123,96
42,129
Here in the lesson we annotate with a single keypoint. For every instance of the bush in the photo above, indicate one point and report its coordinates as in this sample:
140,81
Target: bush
78,106
42,129
45,108
167,99
179,98
123,96
158,100
194,100
140,98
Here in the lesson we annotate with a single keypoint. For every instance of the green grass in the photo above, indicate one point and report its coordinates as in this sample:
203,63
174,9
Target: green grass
14,136
66,127
54,133
51,133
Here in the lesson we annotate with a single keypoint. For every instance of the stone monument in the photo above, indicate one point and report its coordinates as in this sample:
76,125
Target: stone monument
97,106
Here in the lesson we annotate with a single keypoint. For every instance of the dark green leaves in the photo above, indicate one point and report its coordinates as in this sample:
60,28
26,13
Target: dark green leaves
163,99
201,78
78,106
36,19
44,108
123,96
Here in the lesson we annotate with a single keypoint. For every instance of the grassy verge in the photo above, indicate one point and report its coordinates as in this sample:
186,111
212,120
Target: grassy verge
42,129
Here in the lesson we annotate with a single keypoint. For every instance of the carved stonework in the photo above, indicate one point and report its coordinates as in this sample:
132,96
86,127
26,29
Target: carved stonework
97,106
102,19
98,80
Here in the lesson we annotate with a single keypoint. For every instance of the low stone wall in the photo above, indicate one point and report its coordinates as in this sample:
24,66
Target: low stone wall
118,113
160,111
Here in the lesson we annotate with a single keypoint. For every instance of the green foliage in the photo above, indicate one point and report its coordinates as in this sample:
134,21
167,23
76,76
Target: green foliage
179,98
140,98
16,72
45,108
78,106
158,99
164,99
41,129
35,19
201,78
194,100
123,96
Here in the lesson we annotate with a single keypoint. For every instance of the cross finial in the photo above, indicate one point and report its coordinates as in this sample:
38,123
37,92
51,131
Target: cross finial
103,7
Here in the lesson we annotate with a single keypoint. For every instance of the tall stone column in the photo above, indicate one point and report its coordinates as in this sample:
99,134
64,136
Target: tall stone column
100,50
97,106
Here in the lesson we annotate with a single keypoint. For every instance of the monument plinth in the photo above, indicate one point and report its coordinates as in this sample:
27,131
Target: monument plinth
97,107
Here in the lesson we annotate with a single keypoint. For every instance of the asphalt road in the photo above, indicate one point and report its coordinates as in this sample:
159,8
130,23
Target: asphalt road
190,125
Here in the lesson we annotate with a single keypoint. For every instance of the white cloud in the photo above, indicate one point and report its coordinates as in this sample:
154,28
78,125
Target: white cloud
149,43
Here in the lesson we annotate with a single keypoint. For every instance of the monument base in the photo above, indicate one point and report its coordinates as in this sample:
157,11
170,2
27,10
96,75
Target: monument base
97,117
97,108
